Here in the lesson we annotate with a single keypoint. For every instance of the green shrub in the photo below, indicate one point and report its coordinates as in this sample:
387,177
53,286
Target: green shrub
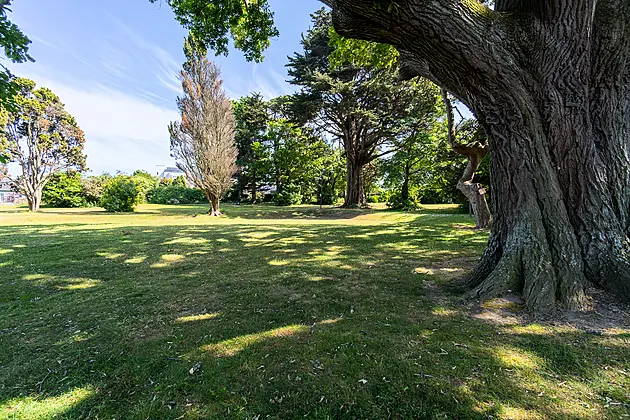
396,202
93,187
121,194
146,182
64,190
175,194
289,196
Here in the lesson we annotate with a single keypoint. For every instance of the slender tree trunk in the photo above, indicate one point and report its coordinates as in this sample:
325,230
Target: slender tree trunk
475,150
404,191
254,188
355,194
476,194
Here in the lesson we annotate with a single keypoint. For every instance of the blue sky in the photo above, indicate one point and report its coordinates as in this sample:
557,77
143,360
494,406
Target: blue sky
114,64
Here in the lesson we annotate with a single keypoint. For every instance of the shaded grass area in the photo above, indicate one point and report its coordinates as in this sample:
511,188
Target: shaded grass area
290,312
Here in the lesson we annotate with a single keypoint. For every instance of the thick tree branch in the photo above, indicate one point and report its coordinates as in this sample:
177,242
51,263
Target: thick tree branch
459,40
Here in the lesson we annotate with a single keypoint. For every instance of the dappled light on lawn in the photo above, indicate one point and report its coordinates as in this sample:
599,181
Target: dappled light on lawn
199,317
310,316
167,259
235,345
33,408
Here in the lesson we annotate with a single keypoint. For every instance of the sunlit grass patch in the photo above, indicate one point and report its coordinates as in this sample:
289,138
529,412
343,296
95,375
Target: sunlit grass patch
136,260
187,241
110,255
423,270
198,317
517,358
235,345
168,259
443,312
37,277
34,408
78,284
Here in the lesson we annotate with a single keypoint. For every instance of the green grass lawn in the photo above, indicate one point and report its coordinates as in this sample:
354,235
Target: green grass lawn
291,312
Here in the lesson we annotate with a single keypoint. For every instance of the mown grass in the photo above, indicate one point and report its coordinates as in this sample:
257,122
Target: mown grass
291,313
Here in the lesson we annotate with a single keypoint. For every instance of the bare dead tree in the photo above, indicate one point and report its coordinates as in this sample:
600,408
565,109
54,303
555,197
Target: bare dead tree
203,142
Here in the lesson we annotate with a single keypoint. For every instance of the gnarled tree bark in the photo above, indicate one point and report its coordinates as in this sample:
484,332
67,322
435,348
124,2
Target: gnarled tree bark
548,81
475,151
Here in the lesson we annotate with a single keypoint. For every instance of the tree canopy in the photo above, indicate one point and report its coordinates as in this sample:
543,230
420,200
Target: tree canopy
42,137
15,45
249,24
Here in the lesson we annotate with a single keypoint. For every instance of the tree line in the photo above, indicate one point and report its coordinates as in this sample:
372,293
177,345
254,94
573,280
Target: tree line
548,82
353,132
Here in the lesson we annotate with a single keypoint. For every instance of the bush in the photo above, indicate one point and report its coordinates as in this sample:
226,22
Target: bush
145,182
93,187
396,202
64,190
121,194
175,194
289,196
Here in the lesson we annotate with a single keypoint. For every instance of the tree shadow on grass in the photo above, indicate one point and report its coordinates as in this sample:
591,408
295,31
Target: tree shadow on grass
288,321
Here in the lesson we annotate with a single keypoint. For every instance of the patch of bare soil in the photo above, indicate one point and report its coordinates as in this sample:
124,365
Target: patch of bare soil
605,312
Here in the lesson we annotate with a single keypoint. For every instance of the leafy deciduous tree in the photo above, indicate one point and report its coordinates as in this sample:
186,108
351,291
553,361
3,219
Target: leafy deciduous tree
15,45
42,137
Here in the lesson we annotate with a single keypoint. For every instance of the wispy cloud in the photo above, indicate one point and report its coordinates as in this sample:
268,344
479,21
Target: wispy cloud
123,132
263,79
165,66
268,82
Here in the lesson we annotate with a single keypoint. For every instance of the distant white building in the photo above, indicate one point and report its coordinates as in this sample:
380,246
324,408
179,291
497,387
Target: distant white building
7,195
171,173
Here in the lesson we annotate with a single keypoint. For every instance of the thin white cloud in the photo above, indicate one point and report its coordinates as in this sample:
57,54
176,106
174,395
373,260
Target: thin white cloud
270,83
165,65
123,132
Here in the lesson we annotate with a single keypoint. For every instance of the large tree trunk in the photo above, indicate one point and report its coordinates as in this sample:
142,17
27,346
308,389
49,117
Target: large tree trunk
214,206
355,194
34,198
549,83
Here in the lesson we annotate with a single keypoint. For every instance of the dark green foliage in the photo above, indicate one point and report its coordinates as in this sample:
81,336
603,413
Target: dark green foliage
64,189
289,196
15,45
249,24
121,194
397,202
175,194
180,181
252,115
145,181
368,109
